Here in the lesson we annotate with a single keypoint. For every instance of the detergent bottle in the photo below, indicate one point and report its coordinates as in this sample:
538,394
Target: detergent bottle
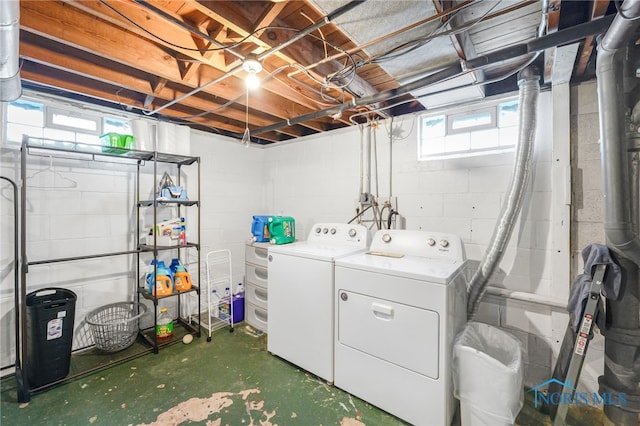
260,229
162,285
181,277
282,229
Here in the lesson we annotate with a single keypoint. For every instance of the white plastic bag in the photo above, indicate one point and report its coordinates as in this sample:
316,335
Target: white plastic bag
488,375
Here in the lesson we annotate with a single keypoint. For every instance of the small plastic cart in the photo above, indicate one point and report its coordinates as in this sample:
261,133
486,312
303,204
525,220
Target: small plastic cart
217,304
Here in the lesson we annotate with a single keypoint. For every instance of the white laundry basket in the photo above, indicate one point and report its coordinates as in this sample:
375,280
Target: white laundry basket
487,375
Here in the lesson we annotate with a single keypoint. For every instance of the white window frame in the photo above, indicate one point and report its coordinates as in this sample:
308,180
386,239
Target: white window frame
488,105
493,123
72,112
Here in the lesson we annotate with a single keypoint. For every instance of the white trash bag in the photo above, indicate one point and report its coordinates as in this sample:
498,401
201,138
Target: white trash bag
487,375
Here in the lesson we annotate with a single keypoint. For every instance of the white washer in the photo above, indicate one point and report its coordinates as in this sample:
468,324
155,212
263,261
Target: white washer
301,295
397,313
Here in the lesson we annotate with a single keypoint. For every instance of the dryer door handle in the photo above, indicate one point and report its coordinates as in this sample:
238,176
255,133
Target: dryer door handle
383,312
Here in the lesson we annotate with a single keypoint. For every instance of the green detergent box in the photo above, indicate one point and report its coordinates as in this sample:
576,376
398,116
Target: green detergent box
282,229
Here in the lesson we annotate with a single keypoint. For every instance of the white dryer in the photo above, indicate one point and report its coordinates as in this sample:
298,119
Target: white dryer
398,309
301,294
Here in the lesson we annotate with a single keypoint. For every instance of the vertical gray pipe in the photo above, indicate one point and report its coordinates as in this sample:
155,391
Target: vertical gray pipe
622,331
528,93
10,86
618,224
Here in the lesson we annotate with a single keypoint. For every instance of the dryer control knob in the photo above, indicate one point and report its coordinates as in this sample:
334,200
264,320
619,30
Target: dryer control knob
333,231
344,296
318,230
444,243
431,242
386,238
325,230
352,232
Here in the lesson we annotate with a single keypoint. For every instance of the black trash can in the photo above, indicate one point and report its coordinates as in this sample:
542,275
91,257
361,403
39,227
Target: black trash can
49,335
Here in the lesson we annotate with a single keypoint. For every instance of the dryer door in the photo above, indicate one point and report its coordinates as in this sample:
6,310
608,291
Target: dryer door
394,332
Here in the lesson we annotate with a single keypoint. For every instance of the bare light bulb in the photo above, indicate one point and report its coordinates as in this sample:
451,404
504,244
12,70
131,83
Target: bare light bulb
252,81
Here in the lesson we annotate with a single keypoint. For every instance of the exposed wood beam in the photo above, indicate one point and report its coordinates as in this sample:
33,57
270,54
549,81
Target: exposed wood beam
119,80
79,30
60,81
178,35
598,10
230,18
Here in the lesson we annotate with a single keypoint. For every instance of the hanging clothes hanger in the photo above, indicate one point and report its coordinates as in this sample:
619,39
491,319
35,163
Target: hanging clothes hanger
51,178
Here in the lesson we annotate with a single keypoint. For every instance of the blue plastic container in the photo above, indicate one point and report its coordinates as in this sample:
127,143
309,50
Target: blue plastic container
238,308
260,229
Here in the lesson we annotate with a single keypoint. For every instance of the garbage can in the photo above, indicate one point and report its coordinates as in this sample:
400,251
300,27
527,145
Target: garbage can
487,375
49,334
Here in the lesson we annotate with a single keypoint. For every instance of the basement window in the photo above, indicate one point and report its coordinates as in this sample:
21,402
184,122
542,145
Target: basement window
455,133
42,120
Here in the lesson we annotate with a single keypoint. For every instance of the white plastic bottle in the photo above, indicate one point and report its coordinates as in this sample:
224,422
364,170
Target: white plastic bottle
240,290
225,305
215,302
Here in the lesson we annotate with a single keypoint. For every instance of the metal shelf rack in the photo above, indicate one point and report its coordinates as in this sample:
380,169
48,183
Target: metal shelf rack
89,361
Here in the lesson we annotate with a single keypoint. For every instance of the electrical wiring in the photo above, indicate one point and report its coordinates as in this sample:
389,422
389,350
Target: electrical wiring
415,44
328,80
332,81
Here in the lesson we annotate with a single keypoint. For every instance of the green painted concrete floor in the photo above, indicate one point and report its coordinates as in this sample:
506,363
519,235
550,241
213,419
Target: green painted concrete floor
231,380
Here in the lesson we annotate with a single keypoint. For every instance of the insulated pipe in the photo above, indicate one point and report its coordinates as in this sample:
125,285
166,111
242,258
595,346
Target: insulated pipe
10,86
529,90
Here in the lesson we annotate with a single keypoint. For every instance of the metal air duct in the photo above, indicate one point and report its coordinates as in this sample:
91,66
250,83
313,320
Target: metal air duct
622,325
529,90
10,86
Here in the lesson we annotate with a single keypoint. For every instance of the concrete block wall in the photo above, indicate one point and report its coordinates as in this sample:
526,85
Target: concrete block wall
317,179
98,215
587,208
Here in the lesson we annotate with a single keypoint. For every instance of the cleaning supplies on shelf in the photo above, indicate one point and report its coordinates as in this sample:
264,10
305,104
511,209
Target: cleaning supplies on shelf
282,229
181,277
168,191
158,280
164,326
171,232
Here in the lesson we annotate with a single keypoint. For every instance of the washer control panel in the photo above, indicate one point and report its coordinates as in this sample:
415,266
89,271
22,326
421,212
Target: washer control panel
418,243
339,234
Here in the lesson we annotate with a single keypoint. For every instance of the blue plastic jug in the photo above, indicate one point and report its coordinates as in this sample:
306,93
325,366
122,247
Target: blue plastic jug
260,229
